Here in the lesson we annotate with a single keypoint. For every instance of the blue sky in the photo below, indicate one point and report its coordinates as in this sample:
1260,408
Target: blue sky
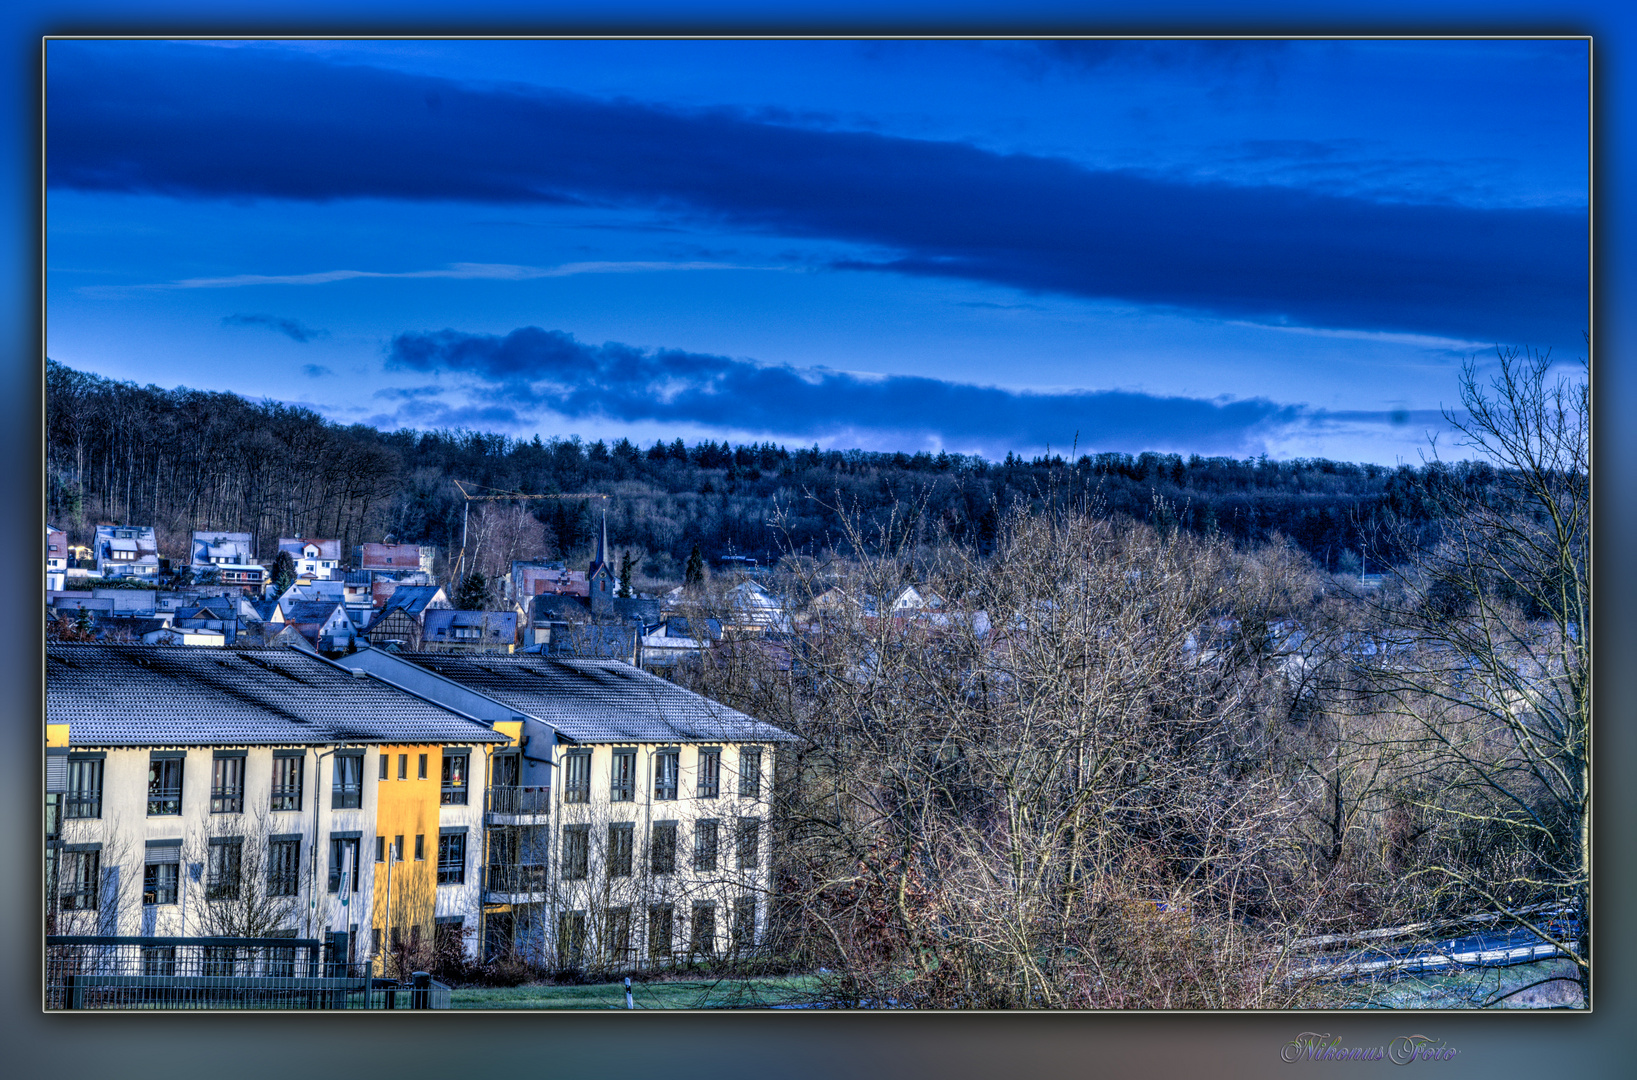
1204,247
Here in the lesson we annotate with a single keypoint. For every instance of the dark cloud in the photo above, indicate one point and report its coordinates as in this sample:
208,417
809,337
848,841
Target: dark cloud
189,121
409,393
549,369
316,371
290,328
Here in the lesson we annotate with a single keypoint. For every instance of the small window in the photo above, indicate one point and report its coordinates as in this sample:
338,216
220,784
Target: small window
577,777
452,859
750,772
661,918
747,843
617,935
623,776
375,941
662,848
570,939
710,774
226,859
403,766
227,785
665,771
347,791
454,779
576,852
619,849
398,848
744,925
84,788
159,881
79,877
287,783
380,849
702,939
420,847
164,786
283,867
704,846
343,854
422,773
384,765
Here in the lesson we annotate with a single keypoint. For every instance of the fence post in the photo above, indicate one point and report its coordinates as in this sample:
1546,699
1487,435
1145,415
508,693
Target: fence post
421,996
75,992
628,1002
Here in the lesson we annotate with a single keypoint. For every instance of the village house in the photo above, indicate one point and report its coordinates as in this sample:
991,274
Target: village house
319,560
402,615
126,551
56,559
393,560
448,630
230,556
261,792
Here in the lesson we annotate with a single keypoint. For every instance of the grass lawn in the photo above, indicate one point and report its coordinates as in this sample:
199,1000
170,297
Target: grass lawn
725,993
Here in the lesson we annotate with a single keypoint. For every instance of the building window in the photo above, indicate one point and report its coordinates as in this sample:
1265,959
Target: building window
576,852
420,847
78,878
744,925
84,788
422,773
454,779
702,938
226,857
219,960
617,935
570,939
380,849
375,941
227,785
160,876
283,867
287,783
747,841
623,776
662,848
398,848
710,774
159,960
403,766
577,777
452,858
164,786
343,854
619,849
704,846
386,760
750,772
347,792
661,919
665,770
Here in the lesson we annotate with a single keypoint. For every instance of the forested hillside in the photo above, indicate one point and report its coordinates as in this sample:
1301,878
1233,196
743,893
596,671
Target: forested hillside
183,459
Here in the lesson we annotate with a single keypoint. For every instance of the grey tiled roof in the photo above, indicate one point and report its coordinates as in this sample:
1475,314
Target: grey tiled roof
600,700
147,695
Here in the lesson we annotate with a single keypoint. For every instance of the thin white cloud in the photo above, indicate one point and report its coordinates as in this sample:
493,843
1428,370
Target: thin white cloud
1389,337
457,271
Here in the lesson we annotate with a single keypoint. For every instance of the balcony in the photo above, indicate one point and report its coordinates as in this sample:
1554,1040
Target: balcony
510,805
513,883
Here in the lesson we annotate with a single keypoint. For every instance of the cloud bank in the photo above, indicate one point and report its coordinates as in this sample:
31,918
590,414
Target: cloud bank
293,329
192,122
537,369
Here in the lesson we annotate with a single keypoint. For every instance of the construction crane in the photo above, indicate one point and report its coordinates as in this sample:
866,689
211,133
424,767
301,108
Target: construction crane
502,496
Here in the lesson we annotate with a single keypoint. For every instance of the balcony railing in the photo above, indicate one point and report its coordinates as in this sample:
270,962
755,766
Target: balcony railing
518,800
515,878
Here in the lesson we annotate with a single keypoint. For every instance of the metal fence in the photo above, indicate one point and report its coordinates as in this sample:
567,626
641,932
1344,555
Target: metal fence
518,800
87,972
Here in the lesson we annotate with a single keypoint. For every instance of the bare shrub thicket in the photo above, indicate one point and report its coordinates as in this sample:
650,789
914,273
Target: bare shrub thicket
1057,786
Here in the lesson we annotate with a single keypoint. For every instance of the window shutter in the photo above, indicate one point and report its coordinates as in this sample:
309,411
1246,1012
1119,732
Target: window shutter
56,775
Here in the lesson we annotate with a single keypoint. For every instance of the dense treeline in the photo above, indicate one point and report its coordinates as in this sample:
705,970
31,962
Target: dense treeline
184,459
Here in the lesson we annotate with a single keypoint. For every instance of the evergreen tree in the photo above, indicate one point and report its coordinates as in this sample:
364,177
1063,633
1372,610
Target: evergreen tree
695,574
284,571
473,593
625,574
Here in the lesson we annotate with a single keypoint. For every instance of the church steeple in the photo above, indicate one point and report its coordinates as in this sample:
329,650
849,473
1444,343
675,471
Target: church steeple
600,578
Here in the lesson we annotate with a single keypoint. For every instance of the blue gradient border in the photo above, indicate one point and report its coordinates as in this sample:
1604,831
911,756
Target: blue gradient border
775,1047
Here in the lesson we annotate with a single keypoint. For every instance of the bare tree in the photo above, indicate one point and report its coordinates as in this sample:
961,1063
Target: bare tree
1484,650
254,883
